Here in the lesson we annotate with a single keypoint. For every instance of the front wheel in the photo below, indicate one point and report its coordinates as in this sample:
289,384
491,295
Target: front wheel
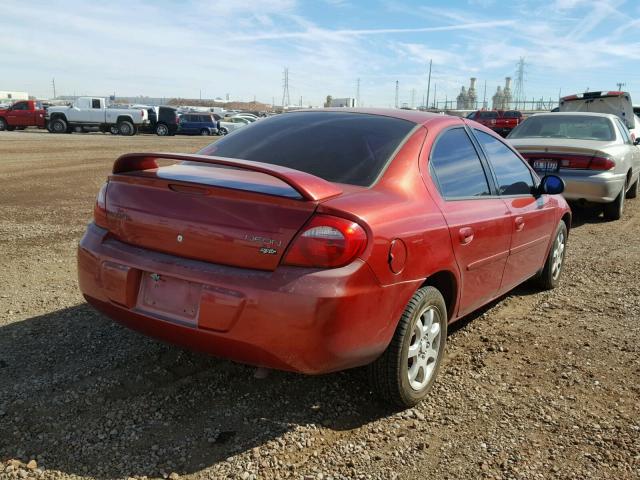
615,209
3,124
126,128
58,126
549,278
405,372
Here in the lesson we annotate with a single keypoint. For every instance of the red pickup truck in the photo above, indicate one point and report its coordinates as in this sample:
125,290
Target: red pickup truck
499,121
23,114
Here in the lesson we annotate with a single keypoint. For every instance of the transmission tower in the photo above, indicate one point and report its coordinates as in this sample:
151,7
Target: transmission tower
285,88
519,90
358,93
620,85
397,92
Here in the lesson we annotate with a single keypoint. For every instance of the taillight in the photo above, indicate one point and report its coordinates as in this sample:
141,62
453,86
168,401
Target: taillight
100,209
326,242
177,119
587,163
141,113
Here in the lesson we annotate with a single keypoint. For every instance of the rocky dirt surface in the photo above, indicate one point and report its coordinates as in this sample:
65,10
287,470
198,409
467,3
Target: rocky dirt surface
537,385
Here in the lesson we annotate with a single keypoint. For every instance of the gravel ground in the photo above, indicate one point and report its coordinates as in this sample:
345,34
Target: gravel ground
537,385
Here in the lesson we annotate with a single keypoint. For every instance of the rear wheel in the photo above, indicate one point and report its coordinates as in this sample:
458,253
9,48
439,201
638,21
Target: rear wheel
549,278
223,131
614,210
58,126
162,130
635,188
405,372
3,124
114,130
126,128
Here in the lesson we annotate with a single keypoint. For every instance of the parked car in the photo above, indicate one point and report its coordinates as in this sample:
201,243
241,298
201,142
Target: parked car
499,121
231,124
23,114
317,241
163,121
197,124
592,152
92,113
615,103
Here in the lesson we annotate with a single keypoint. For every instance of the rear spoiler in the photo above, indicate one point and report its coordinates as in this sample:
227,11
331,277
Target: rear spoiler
307,185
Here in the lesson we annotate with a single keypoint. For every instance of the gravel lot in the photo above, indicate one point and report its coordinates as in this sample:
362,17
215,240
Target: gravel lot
538,385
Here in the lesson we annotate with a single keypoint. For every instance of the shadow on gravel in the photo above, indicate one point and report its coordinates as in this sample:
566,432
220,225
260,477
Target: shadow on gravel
85,396
583,215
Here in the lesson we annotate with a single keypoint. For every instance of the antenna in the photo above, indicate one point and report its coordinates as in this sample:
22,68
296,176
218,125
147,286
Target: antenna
358,93
519,90
397,92
285,88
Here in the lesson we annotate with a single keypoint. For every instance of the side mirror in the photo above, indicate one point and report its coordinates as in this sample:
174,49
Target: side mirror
551,185
637,141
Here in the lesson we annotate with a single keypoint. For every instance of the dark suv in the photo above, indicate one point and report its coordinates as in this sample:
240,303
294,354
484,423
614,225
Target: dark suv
163,121
198,124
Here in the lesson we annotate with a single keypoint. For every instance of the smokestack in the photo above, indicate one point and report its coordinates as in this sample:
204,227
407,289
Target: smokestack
507,83
473,83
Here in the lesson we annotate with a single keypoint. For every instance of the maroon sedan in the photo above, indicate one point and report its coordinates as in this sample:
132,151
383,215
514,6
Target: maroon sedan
317,241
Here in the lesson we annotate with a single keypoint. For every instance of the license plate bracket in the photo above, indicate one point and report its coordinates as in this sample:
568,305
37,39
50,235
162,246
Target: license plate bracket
170,297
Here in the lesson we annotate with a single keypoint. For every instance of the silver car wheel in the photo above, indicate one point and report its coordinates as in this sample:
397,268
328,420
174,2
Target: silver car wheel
424,347
558,255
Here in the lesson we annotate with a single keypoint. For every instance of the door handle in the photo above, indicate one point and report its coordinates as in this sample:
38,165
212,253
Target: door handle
465,235
519,224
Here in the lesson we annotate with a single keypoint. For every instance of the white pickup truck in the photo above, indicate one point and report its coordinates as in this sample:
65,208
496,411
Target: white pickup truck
91,113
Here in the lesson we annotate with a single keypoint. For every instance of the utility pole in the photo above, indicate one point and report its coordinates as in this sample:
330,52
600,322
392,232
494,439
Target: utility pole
435,95
200,94
413,98
300,100
53,82
358,93
429,82
285,88
620,85
397,92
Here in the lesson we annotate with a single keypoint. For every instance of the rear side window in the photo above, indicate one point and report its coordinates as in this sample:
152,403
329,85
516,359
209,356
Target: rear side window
341,147
514,177
511,114
95,103
487,115
456,166
624,131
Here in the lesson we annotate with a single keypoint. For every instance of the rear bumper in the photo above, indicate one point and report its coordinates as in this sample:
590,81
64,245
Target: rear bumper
601,187
309,321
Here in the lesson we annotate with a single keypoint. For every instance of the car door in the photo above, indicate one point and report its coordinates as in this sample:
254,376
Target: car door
187,124
632,152
477,218
532,217
18,115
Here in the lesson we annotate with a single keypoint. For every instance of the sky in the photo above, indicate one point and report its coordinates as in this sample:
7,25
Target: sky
188,48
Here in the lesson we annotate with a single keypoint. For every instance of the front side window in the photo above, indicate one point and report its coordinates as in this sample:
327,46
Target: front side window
20,106
95,103
514,177
456,166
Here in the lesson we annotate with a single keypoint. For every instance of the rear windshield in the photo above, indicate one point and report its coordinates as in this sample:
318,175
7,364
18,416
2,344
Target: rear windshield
511,114
487,114
566,126
341,147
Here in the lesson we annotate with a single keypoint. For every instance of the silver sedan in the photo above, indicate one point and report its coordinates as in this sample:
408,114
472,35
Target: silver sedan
593,152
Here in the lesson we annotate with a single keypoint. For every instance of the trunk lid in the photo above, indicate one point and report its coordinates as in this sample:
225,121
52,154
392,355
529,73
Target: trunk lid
233,212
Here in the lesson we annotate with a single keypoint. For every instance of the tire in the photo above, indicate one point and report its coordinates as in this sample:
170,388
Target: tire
162,130
223,131
125,128
615,209
58,125
391,375
633,191
3,124
113,129
205,131
549,278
